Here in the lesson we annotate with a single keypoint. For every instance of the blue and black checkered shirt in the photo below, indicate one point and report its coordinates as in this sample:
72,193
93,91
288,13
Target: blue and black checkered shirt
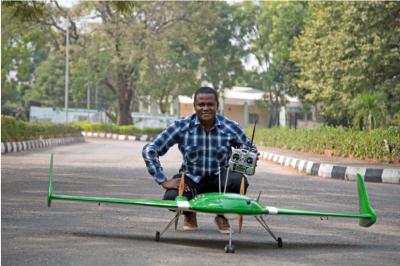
203,152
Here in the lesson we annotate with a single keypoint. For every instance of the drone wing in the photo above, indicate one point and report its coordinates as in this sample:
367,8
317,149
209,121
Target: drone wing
172,204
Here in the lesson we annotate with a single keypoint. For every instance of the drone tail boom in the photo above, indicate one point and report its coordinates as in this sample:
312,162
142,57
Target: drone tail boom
366,214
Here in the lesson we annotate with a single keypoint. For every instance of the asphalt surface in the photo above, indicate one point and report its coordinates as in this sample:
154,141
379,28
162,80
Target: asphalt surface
79,233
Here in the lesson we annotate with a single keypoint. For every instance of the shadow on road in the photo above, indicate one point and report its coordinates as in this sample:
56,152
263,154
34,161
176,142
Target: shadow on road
216,243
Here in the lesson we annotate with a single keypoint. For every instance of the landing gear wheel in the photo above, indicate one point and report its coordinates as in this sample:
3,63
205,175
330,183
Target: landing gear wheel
157,238
229,249
280,243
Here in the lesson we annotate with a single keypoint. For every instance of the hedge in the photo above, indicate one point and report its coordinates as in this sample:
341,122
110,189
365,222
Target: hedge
337,141
17,130
125,130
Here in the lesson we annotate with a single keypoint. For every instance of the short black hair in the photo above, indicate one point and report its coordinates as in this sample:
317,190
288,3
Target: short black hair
207,90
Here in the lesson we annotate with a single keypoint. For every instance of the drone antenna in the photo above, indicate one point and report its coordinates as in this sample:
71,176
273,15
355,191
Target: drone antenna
258,198
219,180
252,135
226,179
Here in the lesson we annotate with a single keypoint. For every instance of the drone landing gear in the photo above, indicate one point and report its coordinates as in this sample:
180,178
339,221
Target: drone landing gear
173,220
261,220
229,248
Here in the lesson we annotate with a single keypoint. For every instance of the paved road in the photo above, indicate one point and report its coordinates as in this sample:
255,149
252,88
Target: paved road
87,234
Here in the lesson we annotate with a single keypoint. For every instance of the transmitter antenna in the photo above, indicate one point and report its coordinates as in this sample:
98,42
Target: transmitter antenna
252,136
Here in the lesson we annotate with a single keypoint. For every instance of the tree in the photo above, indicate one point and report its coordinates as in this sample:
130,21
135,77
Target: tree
168,72
347,49
23,47
130,37
35,30
48,88
90,63
269,30
199,49
87,71
369,111
220,55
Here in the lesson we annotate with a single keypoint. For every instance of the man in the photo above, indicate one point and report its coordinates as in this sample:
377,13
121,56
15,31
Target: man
205,139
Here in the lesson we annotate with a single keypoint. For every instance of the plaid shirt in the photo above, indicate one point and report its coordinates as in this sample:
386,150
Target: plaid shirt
203,152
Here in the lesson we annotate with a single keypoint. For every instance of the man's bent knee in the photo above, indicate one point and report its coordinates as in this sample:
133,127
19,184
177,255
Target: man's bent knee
170,194
235,181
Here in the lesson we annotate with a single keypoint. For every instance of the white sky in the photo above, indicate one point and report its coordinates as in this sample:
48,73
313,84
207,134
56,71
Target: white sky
68,3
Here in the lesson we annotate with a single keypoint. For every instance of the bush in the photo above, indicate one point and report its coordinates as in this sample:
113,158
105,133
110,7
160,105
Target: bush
337,141
17,130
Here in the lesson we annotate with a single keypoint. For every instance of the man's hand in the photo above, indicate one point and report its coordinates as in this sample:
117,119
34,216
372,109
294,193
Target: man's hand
171,184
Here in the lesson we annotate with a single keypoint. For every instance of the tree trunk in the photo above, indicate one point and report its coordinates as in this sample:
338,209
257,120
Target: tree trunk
274,117
124,104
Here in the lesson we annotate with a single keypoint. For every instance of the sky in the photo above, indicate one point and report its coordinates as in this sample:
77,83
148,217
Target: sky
68,3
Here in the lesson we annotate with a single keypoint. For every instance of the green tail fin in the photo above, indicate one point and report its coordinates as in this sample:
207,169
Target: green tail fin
50,189
365,206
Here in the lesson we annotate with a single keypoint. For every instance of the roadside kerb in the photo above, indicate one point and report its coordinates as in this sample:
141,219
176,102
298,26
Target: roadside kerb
104,135
336,171
7,147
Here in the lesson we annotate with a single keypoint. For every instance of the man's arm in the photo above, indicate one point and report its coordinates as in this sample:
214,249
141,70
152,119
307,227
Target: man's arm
158,147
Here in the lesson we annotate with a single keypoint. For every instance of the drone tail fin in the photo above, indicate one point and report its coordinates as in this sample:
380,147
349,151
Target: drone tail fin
364,204
50,189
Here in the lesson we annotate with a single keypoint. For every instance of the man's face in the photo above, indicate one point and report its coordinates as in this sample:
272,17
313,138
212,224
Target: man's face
206,107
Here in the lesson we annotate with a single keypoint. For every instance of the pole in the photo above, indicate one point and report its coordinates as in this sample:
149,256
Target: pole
246,114
66,71
96,97
88,101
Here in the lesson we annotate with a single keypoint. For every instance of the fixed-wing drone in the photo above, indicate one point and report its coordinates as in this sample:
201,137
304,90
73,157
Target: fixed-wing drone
228,204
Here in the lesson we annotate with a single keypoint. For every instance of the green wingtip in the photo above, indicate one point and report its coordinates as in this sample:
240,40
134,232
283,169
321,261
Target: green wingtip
50,189
365,206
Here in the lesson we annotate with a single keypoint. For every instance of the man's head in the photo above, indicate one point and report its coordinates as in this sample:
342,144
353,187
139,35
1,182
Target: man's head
206,105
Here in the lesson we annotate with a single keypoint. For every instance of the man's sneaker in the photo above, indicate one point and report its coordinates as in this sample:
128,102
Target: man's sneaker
222,224
190,221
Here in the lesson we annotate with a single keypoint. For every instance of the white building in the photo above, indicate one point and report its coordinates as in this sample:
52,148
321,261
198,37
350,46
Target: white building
57,115
245,106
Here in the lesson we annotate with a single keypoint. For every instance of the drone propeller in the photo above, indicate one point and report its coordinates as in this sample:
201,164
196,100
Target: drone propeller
242,192
181,189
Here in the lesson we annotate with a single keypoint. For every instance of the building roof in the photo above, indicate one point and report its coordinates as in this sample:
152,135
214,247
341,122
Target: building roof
240,95
184,99
245,93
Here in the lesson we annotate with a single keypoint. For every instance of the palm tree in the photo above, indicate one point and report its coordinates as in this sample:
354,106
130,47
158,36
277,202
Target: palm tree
370,111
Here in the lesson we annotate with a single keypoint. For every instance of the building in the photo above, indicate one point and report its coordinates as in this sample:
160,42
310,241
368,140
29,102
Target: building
247,105
244,105
57,115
